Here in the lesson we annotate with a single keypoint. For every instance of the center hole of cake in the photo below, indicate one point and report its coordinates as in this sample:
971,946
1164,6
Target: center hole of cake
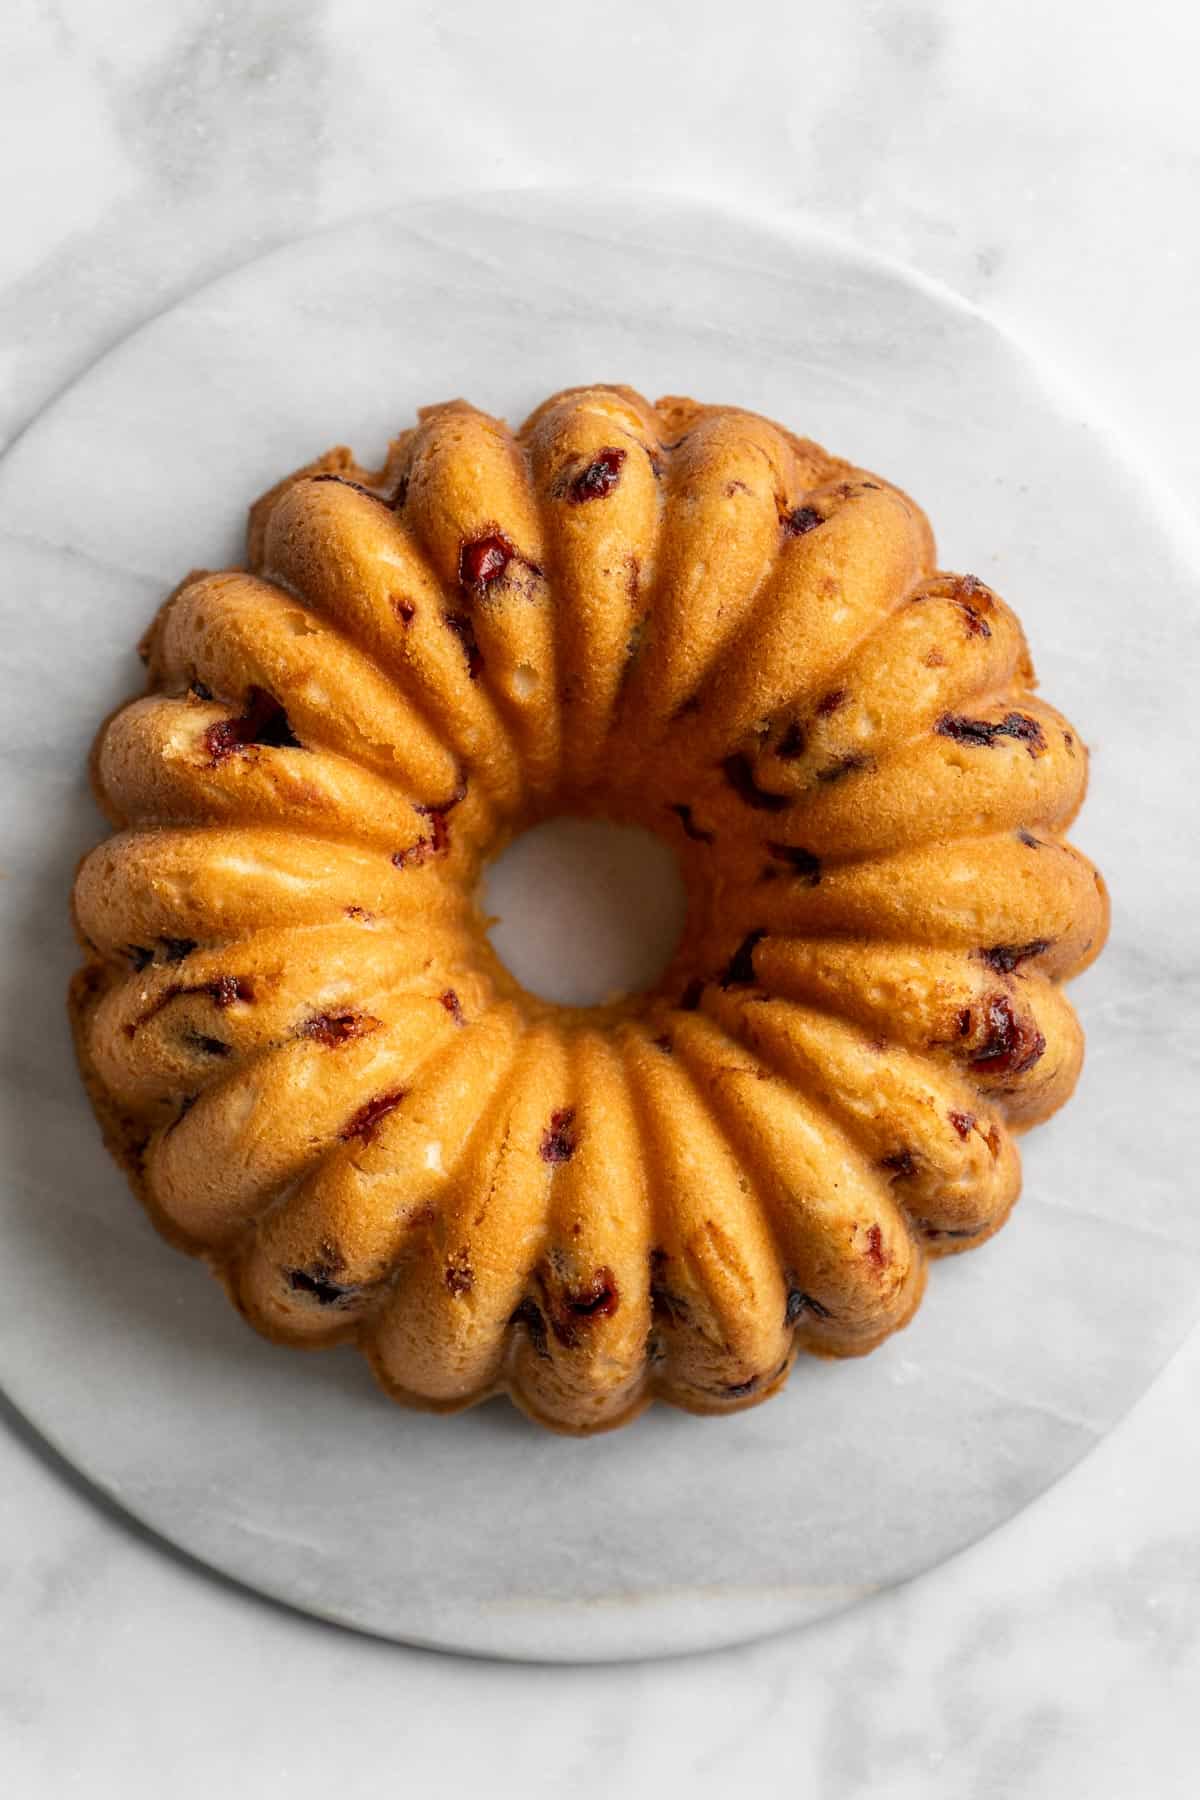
585,912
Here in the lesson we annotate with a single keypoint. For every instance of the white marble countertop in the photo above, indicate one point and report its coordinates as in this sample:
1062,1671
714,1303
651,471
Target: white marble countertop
1044,160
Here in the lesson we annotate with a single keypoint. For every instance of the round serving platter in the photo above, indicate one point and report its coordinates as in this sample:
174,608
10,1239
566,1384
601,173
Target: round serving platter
290,1472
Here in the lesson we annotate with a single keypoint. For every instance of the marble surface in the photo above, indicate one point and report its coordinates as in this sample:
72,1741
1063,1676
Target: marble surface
292,1473
1059,1655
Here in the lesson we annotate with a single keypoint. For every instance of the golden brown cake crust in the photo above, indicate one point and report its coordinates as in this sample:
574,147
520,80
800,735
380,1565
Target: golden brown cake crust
319,1078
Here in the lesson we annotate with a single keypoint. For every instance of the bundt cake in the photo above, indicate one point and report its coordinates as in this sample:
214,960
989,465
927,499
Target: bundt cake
319,1075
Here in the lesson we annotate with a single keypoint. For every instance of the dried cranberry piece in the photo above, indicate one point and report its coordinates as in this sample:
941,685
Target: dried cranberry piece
696,832
972,600
876,1253
319,1279
559,1140
484,561
1013,1044
740,972
792,743
225,990
175,949
596,1298
264,722
799,1303
599,478
439,833
977,625
530,1315
222,740
332,1029
802,519
222,992
571,1308
802,863
1004,958
439,828
366,1121
414,855
962,1123
985,732
453,1006
438,813
901,1165
739,773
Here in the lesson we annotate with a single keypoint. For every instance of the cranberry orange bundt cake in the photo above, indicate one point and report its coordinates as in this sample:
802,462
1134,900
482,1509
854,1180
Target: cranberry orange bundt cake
320,1077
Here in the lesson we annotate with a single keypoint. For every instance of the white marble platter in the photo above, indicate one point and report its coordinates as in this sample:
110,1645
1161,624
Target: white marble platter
290,1473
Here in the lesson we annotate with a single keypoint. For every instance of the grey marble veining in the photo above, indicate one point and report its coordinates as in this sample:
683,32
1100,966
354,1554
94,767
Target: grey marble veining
1044,165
